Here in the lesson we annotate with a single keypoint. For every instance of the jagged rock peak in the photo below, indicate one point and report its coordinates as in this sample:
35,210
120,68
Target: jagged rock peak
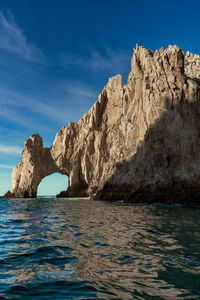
34,141
138,142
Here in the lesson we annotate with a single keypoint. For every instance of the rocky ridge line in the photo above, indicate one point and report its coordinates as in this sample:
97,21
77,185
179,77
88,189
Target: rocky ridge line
139,142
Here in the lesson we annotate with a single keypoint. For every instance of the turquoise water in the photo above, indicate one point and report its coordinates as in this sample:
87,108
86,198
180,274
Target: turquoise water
83,249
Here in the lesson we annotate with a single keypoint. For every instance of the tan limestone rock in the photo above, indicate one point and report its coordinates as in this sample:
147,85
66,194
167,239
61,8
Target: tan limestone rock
138,142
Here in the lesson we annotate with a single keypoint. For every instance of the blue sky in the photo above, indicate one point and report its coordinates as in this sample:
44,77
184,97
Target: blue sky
56,56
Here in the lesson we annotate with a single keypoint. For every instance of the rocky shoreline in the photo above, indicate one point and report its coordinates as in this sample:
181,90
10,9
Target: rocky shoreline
139,142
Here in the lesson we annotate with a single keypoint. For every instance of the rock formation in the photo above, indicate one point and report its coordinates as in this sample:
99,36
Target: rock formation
139,142
8,195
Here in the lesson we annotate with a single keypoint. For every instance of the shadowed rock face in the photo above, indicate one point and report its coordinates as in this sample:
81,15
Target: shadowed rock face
139,142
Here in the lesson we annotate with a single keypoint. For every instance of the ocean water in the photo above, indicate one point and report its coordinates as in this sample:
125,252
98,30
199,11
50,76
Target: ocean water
84,249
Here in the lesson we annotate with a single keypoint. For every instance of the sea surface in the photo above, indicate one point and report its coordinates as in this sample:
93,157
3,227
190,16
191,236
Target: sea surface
84,249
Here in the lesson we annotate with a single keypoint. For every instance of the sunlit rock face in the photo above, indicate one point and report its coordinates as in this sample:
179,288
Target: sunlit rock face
36,164
139,142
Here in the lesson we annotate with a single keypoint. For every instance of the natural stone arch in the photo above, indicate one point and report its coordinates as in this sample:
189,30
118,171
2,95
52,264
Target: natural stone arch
118,147
37,163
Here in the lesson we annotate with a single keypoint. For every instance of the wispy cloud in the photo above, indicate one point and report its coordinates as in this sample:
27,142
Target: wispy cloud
50,111
11,150
12,101
79,89
6,167
15,105
111,61
14,116
13,39
5,175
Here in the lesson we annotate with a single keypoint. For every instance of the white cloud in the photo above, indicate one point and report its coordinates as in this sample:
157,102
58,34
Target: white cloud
13,39
5,175
13,116
6,166
13,150
80,90
111,61
19,108
12,101
50,111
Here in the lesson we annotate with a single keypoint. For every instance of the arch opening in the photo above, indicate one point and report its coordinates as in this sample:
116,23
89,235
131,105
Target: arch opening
52,185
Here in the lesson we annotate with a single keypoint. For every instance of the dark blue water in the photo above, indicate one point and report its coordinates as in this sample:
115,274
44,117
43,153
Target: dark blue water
64,249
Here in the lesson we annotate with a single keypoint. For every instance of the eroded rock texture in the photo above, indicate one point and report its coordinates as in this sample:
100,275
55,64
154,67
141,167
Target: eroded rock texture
139,142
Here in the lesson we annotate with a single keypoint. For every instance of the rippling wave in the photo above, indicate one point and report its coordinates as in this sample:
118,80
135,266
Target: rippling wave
85,249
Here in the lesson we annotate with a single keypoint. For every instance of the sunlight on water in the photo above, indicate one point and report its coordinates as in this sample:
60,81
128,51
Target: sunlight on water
84,249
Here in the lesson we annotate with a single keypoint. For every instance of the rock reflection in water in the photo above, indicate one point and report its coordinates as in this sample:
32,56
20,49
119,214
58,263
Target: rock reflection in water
103,250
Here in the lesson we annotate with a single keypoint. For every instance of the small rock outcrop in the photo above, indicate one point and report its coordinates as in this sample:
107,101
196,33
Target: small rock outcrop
139,142
8,195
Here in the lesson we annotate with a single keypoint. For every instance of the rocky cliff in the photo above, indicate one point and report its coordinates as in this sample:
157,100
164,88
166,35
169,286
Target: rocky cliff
139,142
